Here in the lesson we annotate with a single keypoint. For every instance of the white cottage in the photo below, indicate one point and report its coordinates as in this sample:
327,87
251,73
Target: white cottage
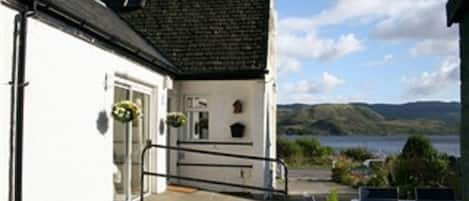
63,65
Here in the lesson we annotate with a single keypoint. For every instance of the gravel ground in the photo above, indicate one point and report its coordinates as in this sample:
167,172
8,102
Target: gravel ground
316,182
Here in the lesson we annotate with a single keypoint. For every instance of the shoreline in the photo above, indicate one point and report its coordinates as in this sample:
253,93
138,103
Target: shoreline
383,145
363,135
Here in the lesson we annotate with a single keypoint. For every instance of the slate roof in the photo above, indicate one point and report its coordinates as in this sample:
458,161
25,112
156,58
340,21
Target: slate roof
206,36
191,39
106,21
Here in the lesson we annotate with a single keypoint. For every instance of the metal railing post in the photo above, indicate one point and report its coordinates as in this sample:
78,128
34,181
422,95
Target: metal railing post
149,146
142,170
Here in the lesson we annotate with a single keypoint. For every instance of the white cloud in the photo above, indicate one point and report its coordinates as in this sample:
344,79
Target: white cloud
385,60
399,19
436,47
330,82
430,83
395,21
318,99
424,22
288,65
372,9
298,38
295,24
327,82
387,57
417,22
310,46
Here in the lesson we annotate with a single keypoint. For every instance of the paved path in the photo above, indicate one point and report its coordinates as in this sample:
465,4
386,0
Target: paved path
315,181
303,184
195,196
311,174
210,196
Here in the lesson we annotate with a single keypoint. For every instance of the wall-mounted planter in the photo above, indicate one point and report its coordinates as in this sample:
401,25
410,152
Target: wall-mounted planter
237,130
176,119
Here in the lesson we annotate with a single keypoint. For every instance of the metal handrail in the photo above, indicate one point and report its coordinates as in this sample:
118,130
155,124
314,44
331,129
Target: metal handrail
143,173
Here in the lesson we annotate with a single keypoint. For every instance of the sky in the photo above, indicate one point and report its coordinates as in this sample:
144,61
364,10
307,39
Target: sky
375,51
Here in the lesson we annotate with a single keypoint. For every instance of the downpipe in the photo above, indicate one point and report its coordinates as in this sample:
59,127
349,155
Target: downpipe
18,85
13,96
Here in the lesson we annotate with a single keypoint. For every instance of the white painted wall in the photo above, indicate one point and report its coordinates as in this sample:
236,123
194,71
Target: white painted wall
221,96
6,43
271,83
66,158
259,99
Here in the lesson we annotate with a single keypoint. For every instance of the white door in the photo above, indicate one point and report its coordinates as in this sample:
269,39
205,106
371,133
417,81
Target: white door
129,141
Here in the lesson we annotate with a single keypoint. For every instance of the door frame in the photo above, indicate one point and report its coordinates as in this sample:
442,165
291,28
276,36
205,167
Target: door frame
152,92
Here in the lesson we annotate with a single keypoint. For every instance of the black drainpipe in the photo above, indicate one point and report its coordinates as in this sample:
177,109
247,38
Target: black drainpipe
13,109
18,85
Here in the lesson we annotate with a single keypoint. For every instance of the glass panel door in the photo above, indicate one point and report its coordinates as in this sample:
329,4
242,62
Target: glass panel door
140,131
129,141
121,151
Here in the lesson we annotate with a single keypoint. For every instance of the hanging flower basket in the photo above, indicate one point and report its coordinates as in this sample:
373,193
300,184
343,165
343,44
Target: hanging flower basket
176,119
125,111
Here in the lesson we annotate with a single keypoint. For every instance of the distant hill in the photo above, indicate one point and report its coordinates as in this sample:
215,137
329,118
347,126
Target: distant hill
448,112
369,119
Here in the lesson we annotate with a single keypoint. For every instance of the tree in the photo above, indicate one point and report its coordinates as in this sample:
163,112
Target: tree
419,165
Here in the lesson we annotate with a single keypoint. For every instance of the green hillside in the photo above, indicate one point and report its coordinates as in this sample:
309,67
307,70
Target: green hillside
357,119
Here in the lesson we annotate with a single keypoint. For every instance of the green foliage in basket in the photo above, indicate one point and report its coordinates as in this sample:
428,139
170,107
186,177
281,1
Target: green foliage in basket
125,111
176,119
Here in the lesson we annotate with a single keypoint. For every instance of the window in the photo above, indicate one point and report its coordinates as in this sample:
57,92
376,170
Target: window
197,127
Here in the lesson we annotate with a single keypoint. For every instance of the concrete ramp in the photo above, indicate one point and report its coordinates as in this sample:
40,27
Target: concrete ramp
194,196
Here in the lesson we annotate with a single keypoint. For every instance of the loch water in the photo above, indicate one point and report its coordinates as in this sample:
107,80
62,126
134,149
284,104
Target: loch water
386,145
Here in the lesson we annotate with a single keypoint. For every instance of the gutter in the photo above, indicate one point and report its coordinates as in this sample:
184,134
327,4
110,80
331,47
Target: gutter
125,48
18,85
60,17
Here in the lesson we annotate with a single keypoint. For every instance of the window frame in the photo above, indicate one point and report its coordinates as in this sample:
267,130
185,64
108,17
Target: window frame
189,136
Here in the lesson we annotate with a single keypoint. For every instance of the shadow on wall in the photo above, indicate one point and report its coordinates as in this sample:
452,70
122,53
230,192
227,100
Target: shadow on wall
102,123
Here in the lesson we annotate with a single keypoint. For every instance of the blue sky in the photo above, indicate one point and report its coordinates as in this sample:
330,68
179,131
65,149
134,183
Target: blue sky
377,51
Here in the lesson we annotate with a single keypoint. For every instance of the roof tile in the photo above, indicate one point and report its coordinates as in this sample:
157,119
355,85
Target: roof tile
206,35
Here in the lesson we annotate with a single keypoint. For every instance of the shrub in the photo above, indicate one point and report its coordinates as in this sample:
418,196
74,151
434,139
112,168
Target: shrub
418,146
303,152
380,179
358,154
311,147
334,196
341,169
419,165
289,151
327,151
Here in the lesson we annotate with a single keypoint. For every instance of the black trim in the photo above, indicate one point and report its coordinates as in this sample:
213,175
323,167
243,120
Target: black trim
214,165
20,106
13,82
133,53
226,75
215,143
123,6
216,153
78,27
267,29
149,146
127,50
455,10
18,85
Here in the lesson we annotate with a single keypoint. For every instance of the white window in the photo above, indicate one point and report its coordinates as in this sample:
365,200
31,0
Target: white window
197,127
